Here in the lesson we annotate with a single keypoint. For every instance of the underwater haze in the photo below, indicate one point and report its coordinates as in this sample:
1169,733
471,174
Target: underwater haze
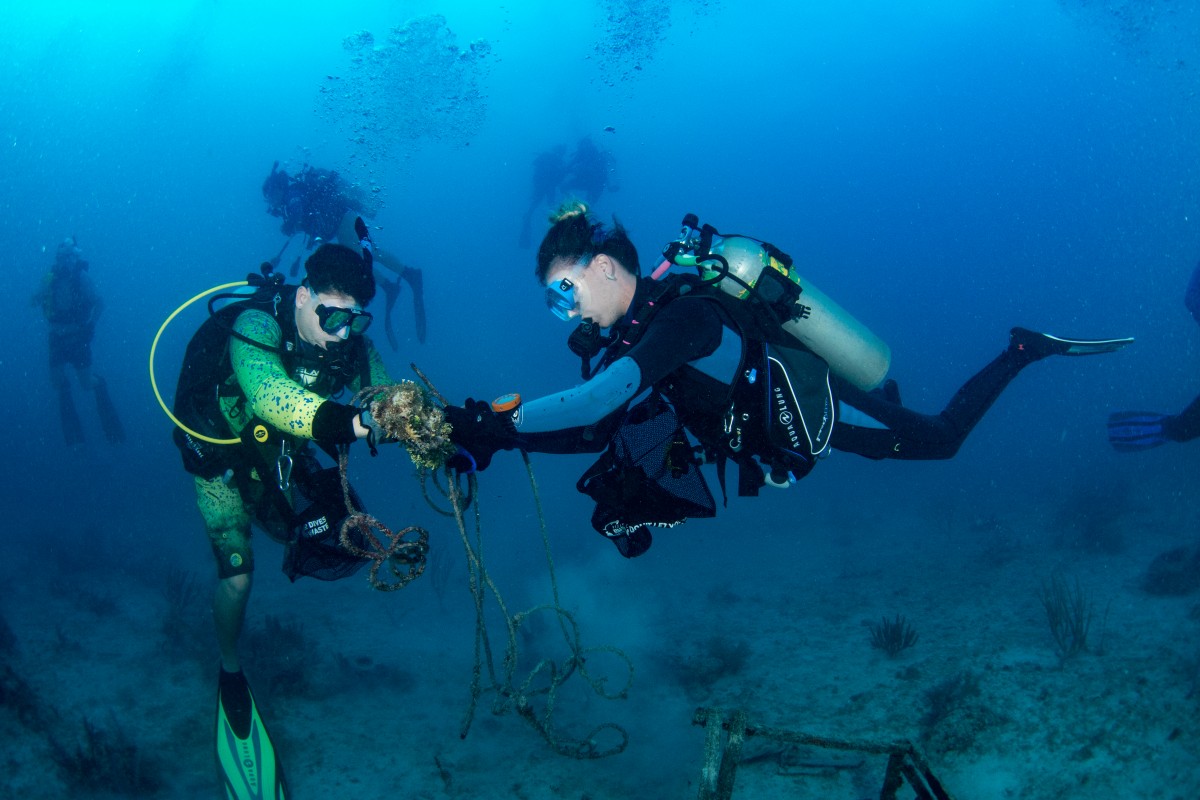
943,170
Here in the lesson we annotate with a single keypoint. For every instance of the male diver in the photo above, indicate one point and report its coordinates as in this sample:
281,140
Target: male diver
716,366
261,373
72,307
319,204
1130,431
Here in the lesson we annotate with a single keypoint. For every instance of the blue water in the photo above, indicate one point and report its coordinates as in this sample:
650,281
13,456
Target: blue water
944,170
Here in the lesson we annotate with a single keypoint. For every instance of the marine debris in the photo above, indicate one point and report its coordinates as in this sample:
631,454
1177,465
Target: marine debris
727,733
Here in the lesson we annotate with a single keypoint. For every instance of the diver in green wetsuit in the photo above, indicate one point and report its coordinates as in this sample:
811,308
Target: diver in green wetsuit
264,371
283,363
72,307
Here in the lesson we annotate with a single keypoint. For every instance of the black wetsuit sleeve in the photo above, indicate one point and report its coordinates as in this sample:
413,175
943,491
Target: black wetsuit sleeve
591,439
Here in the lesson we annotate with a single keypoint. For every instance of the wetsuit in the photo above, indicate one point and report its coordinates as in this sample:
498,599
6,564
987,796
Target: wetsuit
290,395
72,306
1184,426
690,353
315,205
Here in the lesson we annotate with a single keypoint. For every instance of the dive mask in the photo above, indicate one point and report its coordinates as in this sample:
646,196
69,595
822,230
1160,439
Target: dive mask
560,298
333,319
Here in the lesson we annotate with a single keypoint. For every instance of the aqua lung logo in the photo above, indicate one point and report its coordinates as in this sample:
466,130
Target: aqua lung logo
787,409
786,418
249,765
307,377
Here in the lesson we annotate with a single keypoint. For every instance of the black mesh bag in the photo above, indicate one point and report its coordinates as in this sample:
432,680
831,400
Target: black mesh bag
314,549
648,478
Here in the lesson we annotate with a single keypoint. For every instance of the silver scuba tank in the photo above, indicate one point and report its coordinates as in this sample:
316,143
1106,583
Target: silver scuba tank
852,351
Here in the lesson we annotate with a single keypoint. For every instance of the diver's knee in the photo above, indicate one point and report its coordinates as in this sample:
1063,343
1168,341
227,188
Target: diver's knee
235,587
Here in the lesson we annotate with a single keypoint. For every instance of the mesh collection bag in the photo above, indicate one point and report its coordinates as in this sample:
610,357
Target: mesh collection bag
649,477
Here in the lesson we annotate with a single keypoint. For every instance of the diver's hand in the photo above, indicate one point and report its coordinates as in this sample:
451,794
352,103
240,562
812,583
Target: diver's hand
374,432
480,431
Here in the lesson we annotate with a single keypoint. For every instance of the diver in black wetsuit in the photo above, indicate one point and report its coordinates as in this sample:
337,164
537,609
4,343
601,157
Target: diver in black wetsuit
317,203
689,347
549,170
1129,431
589,172
72,307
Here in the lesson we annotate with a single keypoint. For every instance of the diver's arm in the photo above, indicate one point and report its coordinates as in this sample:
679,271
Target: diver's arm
585,404
684,331
274,397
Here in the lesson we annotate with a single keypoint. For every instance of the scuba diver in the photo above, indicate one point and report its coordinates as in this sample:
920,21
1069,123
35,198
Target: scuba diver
254,394
1130,431
72,307
586,174
319,204
549,170
742,363
589,172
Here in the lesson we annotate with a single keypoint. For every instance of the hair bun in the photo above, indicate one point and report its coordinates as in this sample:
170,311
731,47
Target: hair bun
569,209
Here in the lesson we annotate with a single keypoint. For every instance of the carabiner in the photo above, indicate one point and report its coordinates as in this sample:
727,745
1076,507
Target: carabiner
283,467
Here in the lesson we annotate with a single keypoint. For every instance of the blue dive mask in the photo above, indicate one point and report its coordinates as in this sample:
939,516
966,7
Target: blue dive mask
560,298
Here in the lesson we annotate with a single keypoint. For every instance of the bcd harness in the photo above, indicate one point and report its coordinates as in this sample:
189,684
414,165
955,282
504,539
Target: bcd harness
779,410
207,390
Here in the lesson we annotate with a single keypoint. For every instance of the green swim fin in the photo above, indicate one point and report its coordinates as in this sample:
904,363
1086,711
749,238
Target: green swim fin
246,761
1130,431
114,431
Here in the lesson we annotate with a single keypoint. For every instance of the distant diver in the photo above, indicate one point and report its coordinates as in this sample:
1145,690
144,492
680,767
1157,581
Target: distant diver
549,170
1130,431
72,307
590,172
587,174
319,204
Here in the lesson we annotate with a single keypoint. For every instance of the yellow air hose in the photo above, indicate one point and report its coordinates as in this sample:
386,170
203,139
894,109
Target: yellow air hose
154,348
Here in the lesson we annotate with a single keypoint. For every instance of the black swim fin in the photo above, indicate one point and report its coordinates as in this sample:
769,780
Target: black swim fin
416,281
1039,345
391,290
71,425
114,431
246,760
1131,431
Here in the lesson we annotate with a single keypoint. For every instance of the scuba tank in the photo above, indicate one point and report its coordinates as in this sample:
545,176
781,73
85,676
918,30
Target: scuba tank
749,268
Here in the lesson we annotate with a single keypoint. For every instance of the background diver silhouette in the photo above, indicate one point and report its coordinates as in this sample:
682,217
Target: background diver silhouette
587,174
319,204
1130,431
72,307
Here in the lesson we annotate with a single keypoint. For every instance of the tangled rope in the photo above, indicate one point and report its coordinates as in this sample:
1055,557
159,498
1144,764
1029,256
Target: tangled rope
405,557
407,414
521,697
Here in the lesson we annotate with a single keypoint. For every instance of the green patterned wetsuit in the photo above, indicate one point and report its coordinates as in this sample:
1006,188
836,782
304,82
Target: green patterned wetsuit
262,385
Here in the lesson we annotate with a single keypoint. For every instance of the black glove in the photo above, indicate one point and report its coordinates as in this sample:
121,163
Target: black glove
377,435
333,424
479,430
